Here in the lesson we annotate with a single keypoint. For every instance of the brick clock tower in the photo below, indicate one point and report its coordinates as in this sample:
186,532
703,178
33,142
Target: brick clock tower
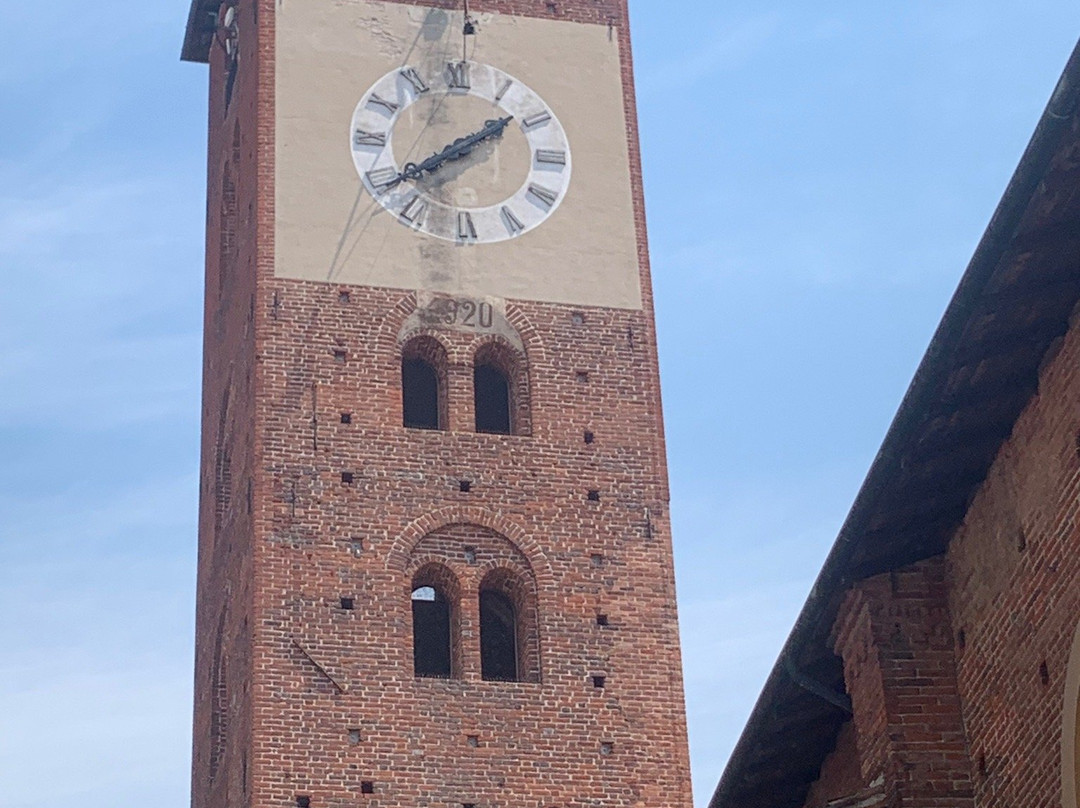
435,563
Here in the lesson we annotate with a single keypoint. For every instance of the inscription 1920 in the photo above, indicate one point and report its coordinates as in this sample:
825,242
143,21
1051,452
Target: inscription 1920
461,312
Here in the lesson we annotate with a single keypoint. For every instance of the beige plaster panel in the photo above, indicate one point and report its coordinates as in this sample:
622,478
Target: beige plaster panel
328,228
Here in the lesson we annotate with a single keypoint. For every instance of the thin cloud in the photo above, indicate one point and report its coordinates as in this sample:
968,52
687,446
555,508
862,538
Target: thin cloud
728,48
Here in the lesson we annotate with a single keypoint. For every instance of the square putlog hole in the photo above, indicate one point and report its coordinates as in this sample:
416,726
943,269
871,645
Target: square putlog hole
344,296
599,682
590,438
602,620
465,486
355,737
339,356
367,786
607,748
303,801
348,604
346,417
594,496
348,477
474,741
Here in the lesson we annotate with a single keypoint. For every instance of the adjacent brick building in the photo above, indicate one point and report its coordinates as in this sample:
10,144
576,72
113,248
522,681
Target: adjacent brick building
435,560
937,661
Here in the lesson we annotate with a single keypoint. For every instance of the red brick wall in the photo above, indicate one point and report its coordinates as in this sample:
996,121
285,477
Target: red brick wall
323,698
894,633
1005,627
224,617
1015,568
841,774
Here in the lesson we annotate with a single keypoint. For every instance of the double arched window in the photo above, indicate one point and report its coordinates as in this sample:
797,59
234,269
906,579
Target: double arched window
499,387
507,623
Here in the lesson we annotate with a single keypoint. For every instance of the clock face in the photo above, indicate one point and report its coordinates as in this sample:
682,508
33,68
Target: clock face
469,154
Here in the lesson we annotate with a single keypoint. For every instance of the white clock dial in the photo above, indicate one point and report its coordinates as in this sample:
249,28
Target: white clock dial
468,154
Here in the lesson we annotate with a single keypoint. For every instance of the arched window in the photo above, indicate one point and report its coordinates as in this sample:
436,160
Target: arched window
435,623
491,390
498,637
509,642
431,633
499,390
423,384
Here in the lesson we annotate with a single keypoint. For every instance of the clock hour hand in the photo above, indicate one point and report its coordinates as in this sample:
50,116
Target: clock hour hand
456,150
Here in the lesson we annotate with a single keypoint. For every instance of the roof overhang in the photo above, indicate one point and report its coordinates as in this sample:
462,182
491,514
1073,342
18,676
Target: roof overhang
1013,305
199,34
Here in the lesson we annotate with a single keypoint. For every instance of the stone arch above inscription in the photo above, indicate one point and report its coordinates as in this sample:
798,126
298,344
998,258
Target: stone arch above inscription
462,314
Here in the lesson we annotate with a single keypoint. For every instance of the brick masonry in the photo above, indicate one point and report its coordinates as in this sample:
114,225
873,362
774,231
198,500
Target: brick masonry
297,697
957,666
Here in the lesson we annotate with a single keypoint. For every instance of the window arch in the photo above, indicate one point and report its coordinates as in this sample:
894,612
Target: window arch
423,384
500,390
508,628
435,597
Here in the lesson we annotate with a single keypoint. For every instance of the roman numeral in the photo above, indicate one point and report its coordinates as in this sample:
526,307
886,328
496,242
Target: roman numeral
459,75
382,178
364,138
536,119
504,89
555,157
378,101
411,76
512,222
545,195
414,210
466,229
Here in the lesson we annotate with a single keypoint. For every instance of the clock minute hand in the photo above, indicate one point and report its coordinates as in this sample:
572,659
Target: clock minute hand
456,150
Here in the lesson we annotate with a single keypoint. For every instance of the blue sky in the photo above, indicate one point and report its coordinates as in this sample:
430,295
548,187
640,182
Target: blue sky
842,160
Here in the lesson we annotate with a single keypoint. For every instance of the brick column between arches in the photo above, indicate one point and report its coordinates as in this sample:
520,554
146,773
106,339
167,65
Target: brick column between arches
894,633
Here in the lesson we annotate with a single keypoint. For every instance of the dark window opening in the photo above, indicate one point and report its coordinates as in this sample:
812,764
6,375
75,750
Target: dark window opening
498,638
230,79
431,633
492,398
420,394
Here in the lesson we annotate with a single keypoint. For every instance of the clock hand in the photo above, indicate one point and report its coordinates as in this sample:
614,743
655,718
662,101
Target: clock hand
455,151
